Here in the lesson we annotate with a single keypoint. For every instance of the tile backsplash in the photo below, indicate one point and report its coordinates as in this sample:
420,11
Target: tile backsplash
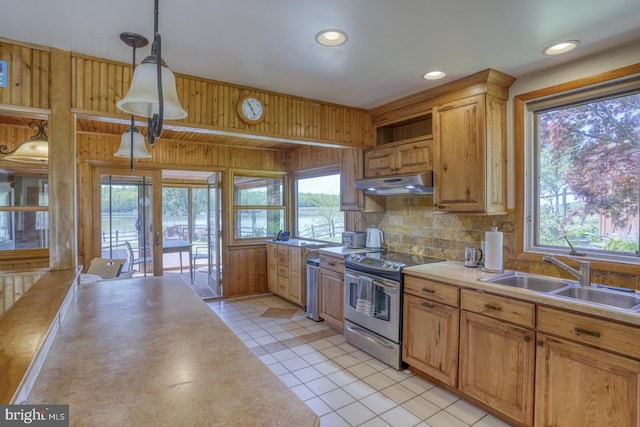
411,225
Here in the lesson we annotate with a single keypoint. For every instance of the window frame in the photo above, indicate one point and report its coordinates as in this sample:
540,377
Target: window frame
524,167
234,208
311,173
28,253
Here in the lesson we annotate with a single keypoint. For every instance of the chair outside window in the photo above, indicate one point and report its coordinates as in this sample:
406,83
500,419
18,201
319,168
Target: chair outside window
106,268
201,252
135,260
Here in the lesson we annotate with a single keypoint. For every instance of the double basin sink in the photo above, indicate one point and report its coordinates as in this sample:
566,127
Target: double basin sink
570,289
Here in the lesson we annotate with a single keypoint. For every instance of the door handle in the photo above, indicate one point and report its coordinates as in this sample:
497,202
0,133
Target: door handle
157,242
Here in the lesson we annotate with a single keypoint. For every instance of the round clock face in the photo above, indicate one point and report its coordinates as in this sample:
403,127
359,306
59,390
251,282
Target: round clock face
251,109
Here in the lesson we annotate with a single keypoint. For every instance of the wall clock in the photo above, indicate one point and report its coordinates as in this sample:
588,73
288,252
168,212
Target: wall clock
251,110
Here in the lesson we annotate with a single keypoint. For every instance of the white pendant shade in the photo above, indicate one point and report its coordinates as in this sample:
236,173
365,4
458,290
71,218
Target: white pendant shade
36,151
139,147
142,98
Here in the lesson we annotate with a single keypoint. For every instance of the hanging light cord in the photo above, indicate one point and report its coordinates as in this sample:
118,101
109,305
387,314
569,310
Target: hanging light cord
133,123
155,123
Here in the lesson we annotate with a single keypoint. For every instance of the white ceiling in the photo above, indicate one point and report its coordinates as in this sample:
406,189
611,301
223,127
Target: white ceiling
269,44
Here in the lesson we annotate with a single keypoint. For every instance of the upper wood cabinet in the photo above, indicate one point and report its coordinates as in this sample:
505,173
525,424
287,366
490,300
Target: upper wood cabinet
350,198
470,155
467,121
409,156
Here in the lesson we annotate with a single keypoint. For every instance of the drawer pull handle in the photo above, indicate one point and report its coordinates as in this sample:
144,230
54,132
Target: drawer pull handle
587,332
492,307
332,264
428,291
426,304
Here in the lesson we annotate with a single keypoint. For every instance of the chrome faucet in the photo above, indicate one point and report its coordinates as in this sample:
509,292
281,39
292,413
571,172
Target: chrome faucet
583,274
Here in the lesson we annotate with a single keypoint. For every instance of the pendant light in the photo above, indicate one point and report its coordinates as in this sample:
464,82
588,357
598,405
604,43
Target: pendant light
34,150
153,93
132,142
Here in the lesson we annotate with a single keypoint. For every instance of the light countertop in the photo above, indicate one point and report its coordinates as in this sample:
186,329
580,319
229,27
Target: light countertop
148,351
300,243
339,250
454,272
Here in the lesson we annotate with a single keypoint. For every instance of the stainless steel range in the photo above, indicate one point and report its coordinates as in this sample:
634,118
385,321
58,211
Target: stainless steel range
373,302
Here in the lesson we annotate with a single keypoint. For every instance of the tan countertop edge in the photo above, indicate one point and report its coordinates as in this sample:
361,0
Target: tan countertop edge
149,351
454,272
339,250
27,330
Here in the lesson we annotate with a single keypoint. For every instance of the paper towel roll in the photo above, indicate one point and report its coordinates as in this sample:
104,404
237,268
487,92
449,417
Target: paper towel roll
493,252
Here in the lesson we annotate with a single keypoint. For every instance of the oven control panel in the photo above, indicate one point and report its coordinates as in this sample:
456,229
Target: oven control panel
373,262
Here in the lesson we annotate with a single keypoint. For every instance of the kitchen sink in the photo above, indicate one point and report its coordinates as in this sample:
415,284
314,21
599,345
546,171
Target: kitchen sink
611,298
529,281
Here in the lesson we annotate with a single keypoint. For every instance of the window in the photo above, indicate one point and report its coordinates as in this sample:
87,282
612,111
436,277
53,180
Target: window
258,206
582,172
318,214
24,208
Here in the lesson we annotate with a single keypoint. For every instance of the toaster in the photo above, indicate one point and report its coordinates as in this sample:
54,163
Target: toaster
354,239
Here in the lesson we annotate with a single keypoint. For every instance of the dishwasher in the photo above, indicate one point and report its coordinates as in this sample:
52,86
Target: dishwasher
313,289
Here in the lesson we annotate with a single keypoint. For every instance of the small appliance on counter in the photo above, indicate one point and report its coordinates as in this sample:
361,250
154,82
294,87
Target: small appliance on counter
354,239
375,238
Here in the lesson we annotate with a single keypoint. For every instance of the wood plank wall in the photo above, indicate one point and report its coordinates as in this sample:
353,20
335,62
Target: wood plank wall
313,156
14,284
98,84
28,71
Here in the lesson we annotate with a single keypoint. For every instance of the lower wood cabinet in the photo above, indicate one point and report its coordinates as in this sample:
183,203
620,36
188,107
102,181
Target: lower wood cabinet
430,338
529,364
272,267
497,363
332,290
286,271
580,385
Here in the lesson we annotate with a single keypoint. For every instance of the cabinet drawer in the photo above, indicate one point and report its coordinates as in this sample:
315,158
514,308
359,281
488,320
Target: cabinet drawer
434,291
283,270
507,309
333,263
616,337
283,254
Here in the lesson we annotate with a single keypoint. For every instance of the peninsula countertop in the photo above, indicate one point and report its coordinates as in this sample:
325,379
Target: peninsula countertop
148,351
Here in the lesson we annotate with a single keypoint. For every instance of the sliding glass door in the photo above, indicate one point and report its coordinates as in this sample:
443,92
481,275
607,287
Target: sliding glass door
126,229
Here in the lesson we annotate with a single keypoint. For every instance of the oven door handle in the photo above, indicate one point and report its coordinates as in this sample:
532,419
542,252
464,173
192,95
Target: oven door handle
364,334
384,284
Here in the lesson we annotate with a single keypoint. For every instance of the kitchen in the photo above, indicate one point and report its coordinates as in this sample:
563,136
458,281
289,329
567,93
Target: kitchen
411,223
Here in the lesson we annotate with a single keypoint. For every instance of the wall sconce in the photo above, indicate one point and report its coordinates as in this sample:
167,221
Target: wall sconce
153,93
34,150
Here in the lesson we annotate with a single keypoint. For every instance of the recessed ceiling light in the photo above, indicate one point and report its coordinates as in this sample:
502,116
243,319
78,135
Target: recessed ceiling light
563,47
331,37
434,75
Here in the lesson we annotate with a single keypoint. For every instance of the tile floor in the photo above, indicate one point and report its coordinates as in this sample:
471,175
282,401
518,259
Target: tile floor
341,384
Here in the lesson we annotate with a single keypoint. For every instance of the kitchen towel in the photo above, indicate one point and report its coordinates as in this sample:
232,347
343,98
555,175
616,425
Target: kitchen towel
493,251
364,303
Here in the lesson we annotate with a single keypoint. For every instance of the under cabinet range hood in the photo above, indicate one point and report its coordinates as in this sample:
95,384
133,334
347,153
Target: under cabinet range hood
398,185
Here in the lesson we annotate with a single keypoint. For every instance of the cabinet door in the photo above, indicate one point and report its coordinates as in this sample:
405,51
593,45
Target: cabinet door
414,157
459,161
578,385
379,162
496,365
430,338
272,267
350,198
332,299
297,292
